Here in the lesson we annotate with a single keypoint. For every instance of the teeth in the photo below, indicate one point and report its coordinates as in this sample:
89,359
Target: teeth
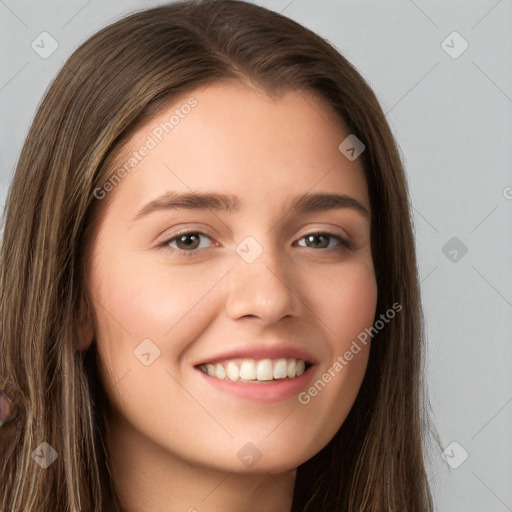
233,371
264,370
248,370
252,370
280,369
220,373
292,365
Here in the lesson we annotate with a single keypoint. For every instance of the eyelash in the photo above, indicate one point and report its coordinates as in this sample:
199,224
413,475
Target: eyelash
343,244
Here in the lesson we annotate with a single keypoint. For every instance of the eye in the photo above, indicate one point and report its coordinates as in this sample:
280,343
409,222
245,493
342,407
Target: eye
314,237
188,242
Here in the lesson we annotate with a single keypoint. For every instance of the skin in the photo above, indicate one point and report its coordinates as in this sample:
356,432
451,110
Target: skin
176,438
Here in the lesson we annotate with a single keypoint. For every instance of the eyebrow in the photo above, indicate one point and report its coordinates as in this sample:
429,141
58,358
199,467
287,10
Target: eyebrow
229,203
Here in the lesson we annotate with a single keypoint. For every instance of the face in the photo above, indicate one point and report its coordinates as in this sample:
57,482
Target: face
219,320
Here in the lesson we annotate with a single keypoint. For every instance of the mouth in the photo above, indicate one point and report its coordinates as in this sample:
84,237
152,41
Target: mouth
256,371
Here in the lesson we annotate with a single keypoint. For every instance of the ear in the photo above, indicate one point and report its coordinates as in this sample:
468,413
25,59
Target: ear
84,326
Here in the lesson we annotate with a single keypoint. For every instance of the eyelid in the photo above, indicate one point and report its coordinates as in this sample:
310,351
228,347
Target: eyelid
166,238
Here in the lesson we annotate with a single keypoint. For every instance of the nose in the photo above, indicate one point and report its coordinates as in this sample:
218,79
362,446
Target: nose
263,289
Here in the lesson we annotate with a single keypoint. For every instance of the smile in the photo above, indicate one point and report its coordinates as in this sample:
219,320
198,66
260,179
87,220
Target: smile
252,370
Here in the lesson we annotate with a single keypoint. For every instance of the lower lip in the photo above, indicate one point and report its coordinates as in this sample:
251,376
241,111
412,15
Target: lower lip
269,392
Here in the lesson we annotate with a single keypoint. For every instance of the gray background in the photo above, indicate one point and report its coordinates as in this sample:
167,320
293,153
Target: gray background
452,118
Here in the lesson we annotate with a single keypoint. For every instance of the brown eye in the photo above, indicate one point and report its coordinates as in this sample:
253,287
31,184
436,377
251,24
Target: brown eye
186,244
187,241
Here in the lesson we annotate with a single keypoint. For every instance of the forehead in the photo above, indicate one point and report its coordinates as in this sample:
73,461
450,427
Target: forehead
229,137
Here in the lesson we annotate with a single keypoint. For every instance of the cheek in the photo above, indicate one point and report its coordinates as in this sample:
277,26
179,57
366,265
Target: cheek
136,302
348,309
353,305
353,313
148,299
347,304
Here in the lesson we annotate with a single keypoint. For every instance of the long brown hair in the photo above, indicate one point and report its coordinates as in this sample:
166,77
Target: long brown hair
115,81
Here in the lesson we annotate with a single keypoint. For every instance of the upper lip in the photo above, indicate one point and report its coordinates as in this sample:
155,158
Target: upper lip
260,351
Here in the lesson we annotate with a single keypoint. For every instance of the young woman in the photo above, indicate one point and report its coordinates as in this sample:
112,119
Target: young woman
209,291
